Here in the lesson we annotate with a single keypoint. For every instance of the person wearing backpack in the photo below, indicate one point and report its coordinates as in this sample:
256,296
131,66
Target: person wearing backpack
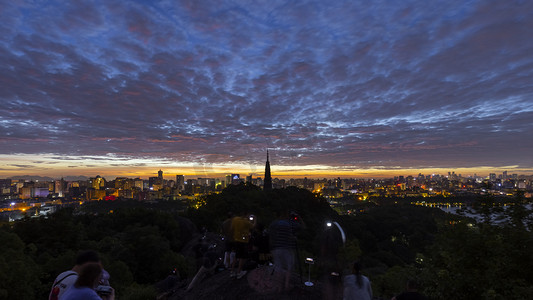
86,286
67,279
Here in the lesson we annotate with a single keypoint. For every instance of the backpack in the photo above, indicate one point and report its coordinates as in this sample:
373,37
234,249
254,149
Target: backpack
54,295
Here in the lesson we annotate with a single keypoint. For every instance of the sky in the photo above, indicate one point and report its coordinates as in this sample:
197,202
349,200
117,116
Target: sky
350,88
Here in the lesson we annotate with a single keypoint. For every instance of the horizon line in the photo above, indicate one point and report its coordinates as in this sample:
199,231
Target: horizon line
374,174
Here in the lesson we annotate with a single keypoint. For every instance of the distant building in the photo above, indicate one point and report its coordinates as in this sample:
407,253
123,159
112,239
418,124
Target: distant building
60,186
156,183
97,182
95,194
26,192
180,182
41,192
138,183
317,186
236,179
5,186
267,184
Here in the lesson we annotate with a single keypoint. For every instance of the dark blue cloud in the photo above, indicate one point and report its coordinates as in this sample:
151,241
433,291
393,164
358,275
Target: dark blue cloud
349,83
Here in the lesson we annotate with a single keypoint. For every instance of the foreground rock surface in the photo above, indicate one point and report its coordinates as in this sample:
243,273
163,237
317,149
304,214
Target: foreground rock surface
263,283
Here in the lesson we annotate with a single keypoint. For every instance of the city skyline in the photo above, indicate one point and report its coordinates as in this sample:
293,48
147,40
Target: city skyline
284,174
123,88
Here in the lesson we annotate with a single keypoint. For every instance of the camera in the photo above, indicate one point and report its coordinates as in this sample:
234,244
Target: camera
104,290
294,216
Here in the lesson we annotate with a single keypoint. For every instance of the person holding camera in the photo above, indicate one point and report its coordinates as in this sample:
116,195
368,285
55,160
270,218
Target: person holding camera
283,243
86,286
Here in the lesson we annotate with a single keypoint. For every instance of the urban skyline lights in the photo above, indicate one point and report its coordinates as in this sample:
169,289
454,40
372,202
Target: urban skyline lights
123,167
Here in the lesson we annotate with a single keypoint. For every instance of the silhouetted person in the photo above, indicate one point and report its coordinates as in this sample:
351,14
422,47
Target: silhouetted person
169,282
86,283
209,261
67,279
241,227
356,285
283,243
259,245
411,293
229,252
332,239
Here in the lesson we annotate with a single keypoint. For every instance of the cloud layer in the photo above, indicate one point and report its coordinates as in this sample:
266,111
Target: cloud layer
357,84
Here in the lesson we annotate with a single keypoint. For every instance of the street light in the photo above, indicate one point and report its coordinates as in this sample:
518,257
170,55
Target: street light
309,261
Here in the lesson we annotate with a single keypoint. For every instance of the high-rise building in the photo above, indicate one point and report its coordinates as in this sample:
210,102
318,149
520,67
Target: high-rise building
156,183
160,175
180,182
60,187
97,182
26,192
267,185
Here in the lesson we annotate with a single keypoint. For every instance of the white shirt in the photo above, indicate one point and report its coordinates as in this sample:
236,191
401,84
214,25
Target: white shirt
63,281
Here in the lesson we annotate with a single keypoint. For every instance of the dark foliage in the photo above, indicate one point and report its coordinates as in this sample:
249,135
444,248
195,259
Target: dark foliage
451,256
138,245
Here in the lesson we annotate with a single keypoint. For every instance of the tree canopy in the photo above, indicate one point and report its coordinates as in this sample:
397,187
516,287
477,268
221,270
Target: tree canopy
452,257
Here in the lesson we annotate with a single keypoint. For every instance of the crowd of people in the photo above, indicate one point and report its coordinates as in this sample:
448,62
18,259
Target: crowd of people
247,244
248,240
